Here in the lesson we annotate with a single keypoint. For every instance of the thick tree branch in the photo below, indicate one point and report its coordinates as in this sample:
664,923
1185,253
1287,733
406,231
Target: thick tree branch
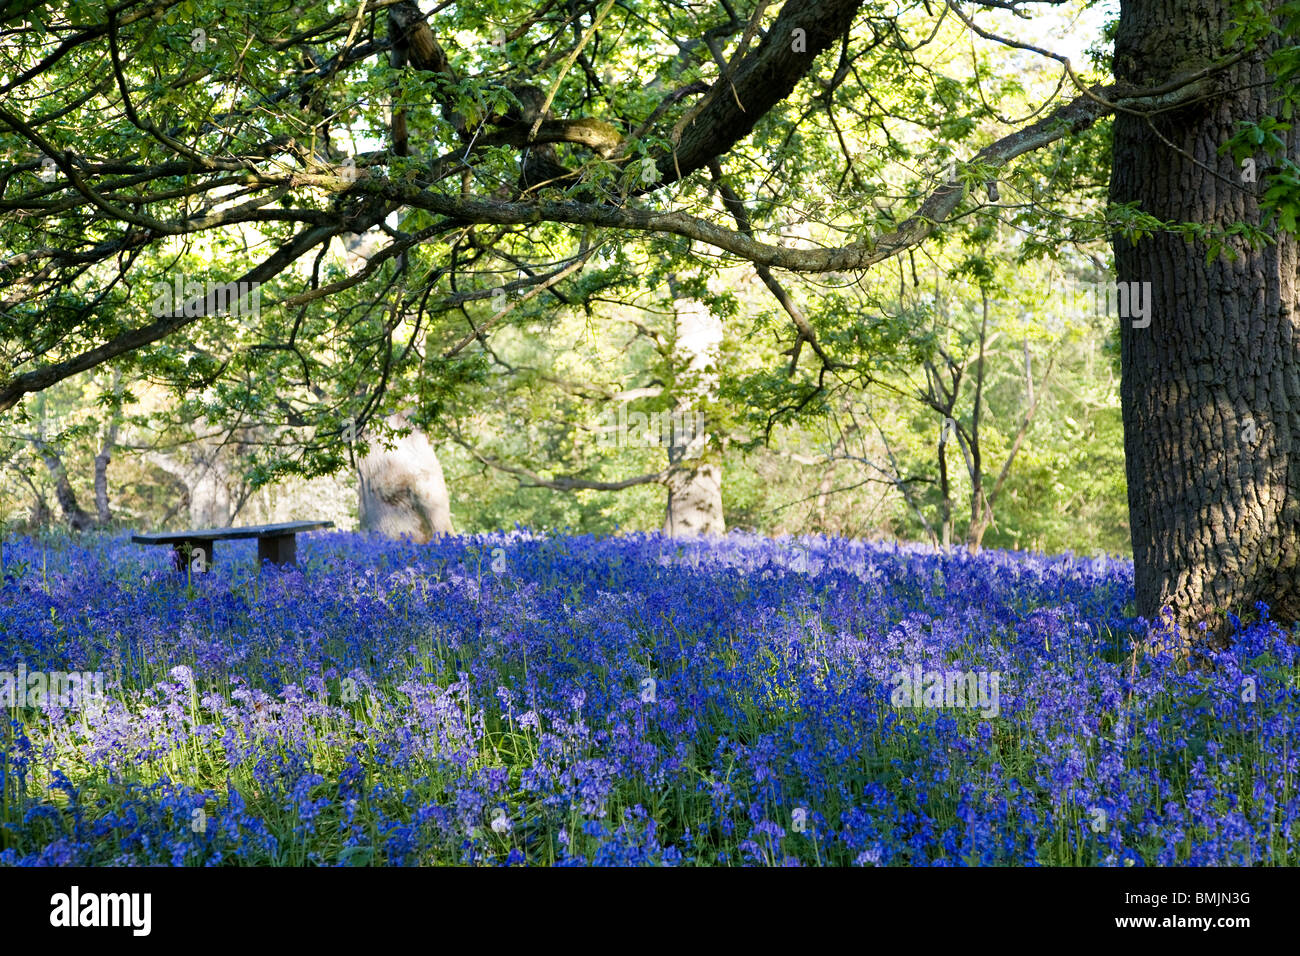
764,77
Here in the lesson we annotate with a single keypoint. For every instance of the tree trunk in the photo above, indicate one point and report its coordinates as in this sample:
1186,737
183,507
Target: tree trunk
213,494
827,483
945,499
39,517
695,478
694,500
77,518
1211,387
212,502
980,510
401,490
103,514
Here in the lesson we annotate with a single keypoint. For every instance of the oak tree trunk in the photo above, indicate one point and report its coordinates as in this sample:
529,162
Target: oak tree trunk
1211,388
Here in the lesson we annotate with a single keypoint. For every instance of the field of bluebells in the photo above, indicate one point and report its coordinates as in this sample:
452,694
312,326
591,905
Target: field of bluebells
530,699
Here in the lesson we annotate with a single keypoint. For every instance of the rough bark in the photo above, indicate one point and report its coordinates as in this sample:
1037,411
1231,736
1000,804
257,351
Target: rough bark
1211,388
401,490
694,478
694,500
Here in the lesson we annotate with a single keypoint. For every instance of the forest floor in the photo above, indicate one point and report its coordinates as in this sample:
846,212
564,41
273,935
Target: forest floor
546,699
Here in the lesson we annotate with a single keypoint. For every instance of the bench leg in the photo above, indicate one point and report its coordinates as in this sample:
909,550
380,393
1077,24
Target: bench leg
186,556
278,549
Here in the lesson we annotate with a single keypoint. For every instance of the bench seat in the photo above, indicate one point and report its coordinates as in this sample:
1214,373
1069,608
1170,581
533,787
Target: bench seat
276,543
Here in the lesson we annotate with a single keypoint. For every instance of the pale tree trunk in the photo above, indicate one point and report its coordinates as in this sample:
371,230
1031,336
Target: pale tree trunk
103,514
1211,387
401,490
212,505
694,477
359,247
202,472
942,398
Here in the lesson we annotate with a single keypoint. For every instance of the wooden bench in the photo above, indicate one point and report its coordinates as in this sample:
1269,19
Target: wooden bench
277,543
